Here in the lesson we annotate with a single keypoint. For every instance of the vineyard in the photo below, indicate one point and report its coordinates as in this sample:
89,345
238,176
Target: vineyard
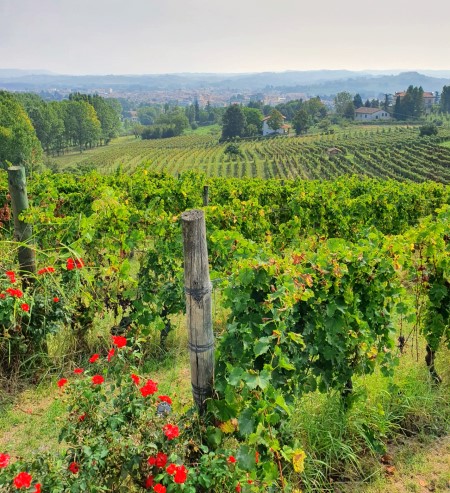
390,153
320,287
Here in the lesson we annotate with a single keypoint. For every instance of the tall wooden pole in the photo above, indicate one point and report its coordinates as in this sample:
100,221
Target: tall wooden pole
205,195
198,305
22,231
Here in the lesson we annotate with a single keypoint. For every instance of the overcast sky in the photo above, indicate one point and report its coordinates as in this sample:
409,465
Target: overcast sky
162,36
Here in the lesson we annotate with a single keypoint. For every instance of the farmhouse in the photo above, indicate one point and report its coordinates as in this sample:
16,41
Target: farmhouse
367,114
429,98
266,130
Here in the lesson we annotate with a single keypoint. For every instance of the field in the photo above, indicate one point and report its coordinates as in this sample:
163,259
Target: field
389,152
326,297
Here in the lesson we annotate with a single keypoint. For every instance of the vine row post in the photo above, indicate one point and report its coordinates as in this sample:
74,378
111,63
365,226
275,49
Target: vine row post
205,195
198,290
23,232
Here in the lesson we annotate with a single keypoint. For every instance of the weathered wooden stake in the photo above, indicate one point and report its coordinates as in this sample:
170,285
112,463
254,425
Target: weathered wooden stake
22,231
205,195
198,305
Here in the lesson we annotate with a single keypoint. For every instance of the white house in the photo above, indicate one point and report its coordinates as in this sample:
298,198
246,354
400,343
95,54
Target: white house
367,114
266,130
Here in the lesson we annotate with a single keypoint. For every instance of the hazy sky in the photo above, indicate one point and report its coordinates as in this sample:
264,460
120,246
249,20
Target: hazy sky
160,36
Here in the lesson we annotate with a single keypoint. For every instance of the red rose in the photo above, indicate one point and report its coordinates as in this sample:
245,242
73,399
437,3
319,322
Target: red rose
74,467
119,341
78,371
37,488
46,270
17,293
135,379
22,480
238,487
25,307
151,461
161,459
165,398
62,382
94,358
171,431
159,488
171,469
4,460
56,299
149,482
12,276
110,354
2,296
232,460
180,475
70,265
149,388
82,417
97,379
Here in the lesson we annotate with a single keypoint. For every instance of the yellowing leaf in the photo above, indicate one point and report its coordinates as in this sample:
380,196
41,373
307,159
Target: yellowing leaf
227,427
298,460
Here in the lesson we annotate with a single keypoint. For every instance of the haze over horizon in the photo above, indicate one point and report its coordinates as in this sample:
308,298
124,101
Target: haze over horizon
101,37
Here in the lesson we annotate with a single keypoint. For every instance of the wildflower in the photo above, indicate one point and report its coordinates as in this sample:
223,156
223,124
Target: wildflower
149,388
119,341
110,354
25,307
74,467
97,379
165,398
159,488
78,371
22,480
135,379
171,431
55,299
46,270
4,460
62,382
180,475
149,482
231,459
298,460
94,358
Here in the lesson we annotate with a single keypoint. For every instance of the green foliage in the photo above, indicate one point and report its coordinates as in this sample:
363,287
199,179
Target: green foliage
233,122
18,142
428,129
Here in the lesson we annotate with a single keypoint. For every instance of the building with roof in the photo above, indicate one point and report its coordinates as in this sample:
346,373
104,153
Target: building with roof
369,114
266,130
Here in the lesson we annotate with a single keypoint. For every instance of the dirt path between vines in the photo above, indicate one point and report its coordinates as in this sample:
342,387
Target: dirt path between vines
412,467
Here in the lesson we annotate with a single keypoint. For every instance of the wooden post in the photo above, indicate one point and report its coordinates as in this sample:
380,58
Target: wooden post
205,195
22,231
198,289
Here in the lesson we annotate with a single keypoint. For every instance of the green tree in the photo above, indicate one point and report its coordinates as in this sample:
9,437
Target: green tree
108,113
301,122
343,103
233,122
82,125
276,120
18,141
445,100
357,101
253,118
